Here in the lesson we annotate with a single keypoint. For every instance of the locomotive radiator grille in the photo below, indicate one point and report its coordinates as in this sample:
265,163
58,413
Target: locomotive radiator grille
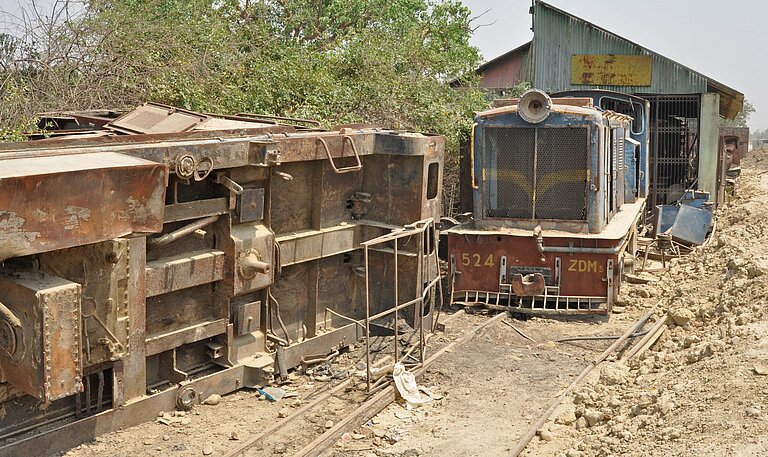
561,174
510,188
536,172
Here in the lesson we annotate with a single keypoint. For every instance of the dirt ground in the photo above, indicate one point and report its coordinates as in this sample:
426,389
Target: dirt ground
701,389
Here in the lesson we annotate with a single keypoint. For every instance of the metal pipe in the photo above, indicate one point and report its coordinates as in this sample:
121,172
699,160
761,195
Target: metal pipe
337,314
279,319
312,122
188,229
225,181
397,297
408,303
251,265
367,323
282,369
472,156
541,249
272,337
420,282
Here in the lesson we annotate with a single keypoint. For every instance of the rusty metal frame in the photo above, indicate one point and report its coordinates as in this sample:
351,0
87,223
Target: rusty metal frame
337,170
418,229
197,249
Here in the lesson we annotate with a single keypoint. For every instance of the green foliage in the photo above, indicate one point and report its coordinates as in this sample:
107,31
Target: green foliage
515,91
338,61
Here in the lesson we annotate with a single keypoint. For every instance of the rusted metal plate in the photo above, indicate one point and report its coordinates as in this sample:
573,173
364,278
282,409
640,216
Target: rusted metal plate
530,284
248,317
479,259
165,342
49,203
252,242
156,118
41,346
102,270
183,271
196,209
611,70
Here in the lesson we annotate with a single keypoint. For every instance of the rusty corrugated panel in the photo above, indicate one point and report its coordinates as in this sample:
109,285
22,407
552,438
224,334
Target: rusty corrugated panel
156,118
507,70
49,203
558,35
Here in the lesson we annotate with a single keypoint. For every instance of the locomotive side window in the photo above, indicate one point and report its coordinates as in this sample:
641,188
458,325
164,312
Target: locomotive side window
433,175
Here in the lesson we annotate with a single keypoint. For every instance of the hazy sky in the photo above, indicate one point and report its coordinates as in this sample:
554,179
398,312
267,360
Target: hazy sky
696,33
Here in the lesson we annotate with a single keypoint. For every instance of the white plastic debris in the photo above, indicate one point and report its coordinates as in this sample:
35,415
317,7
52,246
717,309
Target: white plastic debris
407,387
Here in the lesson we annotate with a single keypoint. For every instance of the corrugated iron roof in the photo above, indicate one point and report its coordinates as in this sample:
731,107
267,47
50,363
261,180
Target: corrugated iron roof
558,35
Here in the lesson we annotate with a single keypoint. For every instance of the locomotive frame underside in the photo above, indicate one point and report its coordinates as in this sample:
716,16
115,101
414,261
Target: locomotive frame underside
144,272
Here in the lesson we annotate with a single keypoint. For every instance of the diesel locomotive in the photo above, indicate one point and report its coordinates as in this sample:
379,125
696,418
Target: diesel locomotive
559,188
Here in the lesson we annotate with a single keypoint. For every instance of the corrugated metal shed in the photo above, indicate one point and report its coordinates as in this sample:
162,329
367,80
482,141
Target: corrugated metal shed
506,70
559,35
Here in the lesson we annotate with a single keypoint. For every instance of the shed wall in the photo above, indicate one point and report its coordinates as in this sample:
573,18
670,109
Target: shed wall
558,36
506,71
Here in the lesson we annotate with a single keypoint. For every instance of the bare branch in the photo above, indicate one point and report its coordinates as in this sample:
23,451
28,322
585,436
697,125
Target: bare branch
475,18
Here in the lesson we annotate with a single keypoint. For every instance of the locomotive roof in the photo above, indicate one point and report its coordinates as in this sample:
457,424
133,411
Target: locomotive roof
562,106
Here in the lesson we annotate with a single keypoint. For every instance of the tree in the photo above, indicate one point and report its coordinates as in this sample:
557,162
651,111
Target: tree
337,61
378,61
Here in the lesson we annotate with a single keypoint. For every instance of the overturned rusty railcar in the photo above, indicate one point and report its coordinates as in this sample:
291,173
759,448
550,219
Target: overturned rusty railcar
558,193
152,259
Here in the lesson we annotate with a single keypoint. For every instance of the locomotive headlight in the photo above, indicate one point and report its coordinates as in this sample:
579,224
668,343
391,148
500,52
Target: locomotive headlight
534,106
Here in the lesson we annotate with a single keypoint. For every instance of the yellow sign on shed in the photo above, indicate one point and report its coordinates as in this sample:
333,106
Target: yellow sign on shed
610,70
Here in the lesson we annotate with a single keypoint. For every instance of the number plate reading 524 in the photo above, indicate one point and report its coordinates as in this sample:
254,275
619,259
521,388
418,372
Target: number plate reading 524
476,260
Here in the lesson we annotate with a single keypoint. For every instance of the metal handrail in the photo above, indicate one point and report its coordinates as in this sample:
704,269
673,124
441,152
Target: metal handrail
357,167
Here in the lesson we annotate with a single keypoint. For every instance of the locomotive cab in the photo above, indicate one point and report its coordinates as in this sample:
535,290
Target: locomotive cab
556,206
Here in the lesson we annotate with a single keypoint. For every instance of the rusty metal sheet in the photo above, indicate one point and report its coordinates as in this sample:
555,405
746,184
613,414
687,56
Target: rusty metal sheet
611,70
156,118
41,346
218,123
478,258
102,269
530,284
183,271
49,203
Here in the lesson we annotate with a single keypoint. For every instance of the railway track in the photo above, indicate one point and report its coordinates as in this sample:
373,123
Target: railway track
352,413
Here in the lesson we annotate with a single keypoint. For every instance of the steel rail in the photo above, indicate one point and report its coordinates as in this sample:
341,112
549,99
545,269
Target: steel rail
245,446
531,432
381,400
